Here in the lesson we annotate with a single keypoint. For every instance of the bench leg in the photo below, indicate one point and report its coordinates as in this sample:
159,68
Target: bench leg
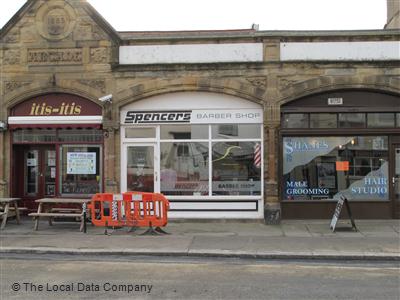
17,216
5,216
36,227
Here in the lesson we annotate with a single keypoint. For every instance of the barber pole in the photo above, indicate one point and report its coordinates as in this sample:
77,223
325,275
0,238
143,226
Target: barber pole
257,155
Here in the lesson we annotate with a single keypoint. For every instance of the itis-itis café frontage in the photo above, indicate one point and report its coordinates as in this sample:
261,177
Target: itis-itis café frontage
57,146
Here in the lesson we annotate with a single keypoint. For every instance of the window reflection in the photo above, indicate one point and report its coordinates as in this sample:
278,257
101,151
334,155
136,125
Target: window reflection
80,170
323,120
326,167
236,168
184,132
184,168
351,120
295,120
236,131
140,169
379,120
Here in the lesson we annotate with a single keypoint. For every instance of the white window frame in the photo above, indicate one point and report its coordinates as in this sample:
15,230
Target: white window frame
156,142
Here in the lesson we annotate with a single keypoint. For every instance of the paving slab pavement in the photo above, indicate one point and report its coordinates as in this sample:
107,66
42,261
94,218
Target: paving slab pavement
292,239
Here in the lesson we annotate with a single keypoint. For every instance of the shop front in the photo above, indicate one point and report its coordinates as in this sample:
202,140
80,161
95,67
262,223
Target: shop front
202,150
57,145
341,143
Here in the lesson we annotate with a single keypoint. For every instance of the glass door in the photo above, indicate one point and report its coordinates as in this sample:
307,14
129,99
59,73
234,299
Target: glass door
40,172
141,168
32,173
49,172
396,180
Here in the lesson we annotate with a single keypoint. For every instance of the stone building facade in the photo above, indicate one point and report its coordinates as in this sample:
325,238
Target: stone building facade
66,49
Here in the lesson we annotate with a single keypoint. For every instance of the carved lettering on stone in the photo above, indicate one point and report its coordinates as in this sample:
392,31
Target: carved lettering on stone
284,83
99,55
258,81
11,57
12,37
96,84
10,86
55,56
83,32
98,34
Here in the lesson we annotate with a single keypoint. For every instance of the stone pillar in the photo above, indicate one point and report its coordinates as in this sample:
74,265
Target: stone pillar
393,14
272,208
109,129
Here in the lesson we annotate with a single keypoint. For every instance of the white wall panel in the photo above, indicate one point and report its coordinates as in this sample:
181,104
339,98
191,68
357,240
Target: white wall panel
388,50
193,53
217,210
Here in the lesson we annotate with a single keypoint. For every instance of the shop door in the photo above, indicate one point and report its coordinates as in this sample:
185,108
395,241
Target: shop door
38,172
396,180
141,172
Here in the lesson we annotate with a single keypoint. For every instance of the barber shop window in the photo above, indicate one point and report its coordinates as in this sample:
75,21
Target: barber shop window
322,168
80,169
227,163
184,168
236,168
181,132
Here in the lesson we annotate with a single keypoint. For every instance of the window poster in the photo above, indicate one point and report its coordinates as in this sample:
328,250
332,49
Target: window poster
31,162
326,175
51,158
329,167
81,163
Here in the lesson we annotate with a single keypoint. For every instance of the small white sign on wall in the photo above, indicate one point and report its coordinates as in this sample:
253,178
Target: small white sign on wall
335,101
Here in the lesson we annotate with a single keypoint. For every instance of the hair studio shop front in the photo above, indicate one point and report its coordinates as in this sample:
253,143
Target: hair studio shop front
338,143
202,150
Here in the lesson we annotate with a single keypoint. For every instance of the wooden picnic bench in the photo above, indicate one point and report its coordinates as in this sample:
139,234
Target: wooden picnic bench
9,209
46,209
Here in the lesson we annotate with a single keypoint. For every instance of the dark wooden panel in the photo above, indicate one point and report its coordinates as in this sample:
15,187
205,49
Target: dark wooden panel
360,210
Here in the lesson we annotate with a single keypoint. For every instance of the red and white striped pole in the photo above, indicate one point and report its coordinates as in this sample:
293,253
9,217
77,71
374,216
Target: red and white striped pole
257,155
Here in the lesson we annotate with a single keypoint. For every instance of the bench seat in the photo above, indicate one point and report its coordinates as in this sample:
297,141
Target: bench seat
55,215
19,208
66,209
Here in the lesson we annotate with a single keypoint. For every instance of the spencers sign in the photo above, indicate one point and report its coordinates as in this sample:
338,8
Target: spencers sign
58,104
195,116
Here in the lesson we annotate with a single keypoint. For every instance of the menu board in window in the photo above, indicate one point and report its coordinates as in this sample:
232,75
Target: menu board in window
81,163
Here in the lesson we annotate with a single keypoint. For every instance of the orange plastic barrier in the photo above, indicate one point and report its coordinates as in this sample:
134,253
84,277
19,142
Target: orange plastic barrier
134,209
146,209
107,210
